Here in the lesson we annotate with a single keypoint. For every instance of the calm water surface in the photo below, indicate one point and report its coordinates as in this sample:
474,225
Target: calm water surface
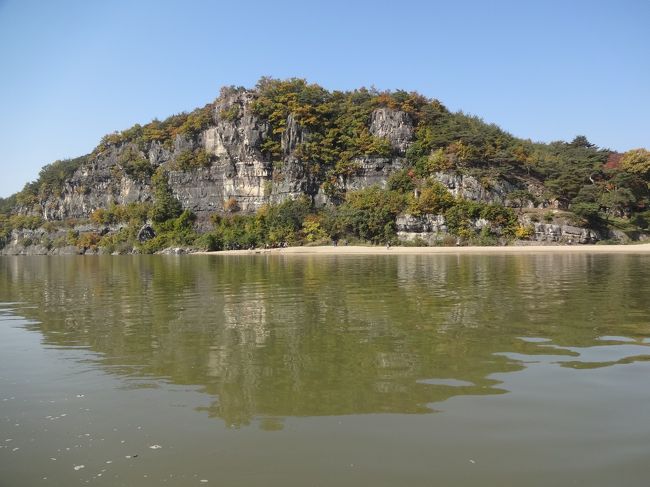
325,370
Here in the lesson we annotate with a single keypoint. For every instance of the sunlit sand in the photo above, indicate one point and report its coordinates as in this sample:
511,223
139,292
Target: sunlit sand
382,250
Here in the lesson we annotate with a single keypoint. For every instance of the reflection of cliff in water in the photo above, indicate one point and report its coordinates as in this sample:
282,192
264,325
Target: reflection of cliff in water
295,336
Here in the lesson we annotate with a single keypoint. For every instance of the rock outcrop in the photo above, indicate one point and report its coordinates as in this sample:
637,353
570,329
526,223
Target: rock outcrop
238,170
146,233
432,230
429,229
470,188
565,234
394,125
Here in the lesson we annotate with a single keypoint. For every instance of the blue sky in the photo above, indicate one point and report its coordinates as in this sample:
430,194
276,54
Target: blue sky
72,71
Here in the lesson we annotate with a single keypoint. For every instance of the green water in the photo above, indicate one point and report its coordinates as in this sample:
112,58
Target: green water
325,370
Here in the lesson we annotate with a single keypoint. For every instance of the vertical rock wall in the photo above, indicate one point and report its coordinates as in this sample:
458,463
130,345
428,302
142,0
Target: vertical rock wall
239,170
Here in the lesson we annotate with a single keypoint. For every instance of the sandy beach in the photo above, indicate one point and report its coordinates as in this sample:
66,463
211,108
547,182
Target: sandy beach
379,250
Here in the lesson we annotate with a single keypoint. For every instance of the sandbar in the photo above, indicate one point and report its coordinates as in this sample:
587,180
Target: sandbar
643,248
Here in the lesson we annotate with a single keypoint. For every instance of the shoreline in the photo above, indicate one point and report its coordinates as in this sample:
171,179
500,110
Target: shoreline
379,250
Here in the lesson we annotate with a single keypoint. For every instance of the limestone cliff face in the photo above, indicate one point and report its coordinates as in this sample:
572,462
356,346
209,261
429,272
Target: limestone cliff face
432,230
394,125
470,188
240,172
238,167
95,185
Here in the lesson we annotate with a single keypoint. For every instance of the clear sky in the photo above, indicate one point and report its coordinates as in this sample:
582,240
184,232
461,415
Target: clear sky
72,71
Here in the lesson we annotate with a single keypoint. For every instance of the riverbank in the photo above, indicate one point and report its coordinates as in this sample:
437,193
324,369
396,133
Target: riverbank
377,250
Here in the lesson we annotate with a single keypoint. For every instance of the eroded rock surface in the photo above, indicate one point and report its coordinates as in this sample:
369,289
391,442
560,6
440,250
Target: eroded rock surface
394,125
238,170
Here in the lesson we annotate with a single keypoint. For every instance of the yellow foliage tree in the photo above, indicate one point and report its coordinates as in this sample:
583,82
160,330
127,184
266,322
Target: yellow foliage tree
637,161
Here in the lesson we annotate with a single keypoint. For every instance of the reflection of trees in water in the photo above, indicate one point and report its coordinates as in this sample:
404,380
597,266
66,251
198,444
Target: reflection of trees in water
296,336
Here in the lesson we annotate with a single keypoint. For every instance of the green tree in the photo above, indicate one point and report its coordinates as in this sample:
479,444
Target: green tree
434,199
588,211
619,200
370,213
582,141
165,206
402,181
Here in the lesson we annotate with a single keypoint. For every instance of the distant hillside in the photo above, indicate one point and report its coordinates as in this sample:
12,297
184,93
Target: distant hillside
289,161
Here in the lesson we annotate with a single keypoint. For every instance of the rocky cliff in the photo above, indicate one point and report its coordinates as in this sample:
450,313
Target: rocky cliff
433,230
284,140
238,170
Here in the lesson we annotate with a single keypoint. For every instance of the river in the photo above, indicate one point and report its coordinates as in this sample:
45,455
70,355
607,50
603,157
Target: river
271,370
